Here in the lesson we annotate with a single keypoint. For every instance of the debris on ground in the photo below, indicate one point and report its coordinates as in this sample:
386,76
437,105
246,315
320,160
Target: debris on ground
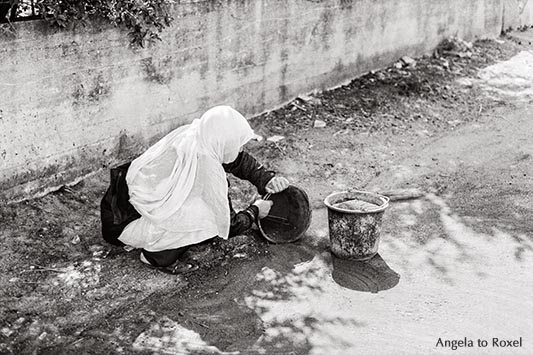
408,62
466,82
311,100
393,98
401,194
319,124
454,46
275,139
258,138
295,106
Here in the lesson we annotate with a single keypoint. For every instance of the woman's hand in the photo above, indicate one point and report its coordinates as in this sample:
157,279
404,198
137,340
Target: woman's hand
264,207
277,184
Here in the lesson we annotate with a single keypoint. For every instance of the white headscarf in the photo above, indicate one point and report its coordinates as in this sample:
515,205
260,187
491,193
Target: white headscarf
161,179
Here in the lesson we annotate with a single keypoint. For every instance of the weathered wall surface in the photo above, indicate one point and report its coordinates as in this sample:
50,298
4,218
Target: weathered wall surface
517,13
74,102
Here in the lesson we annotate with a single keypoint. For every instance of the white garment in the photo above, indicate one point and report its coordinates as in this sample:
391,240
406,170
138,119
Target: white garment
179,185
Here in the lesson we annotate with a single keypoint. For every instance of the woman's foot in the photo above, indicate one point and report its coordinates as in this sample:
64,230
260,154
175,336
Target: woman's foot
176,268
179,267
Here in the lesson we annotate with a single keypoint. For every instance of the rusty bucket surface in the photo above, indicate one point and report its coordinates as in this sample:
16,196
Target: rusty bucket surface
354,219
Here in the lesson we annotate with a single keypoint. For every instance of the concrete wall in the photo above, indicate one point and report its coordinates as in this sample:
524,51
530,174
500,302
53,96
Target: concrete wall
75,102
517,13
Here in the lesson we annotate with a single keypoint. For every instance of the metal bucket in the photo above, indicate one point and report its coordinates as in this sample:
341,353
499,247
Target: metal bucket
289,217
355,232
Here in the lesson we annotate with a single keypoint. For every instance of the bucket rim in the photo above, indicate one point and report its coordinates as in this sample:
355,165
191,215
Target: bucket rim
385,202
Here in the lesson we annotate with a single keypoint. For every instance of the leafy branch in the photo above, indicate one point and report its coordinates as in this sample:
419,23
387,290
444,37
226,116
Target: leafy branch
145,19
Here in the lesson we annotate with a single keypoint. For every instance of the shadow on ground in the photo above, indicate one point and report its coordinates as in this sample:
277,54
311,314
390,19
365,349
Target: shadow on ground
372,276
458,233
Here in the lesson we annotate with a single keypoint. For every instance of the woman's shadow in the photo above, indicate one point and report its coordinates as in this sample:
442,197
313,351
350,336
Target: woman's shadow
373,275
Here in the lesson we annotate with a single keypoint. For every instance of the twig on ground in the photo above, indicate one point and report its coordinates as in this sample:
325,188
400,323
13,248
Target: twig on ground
299,107
281,150
201,324
403,194
76,342
39,268
67,189
342,131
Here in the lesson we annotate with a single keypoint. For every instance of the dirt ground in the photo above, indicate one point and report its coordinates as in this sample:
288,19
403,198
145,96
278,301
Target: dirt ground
453,264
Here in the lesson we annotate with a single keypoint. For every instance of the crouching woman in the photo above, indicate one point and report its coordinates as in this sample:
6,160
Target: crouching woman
176,193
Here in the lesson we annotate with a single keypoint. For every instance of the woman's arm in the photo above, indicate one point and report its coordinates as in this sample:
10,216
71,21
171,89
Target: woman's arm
242,221
247,168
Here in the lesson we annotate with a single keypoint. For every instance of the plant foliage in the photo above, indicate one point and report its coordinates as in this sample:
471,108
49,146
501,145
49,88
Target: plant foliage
145,19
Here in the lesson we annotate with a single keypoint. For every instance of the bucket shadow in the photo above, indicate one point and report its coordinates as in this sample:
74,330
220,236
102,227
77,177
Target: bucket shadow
372,276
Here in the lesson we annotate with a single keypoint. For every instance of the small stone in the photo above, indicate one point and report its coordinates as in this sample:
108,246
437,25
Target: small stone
398,65
76,240
6,332
465,82
408,61
275,139
468,45
42,336
311,100
128,248
454,122
96,248
319,124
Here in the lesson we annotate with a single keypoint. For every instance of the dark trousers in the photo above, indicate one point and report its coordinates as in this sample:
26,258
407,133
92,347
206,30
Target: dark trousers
111,232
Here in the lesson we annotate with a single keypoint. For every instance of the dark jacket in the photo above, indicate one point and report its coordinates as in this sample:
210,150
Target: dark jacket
117,212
